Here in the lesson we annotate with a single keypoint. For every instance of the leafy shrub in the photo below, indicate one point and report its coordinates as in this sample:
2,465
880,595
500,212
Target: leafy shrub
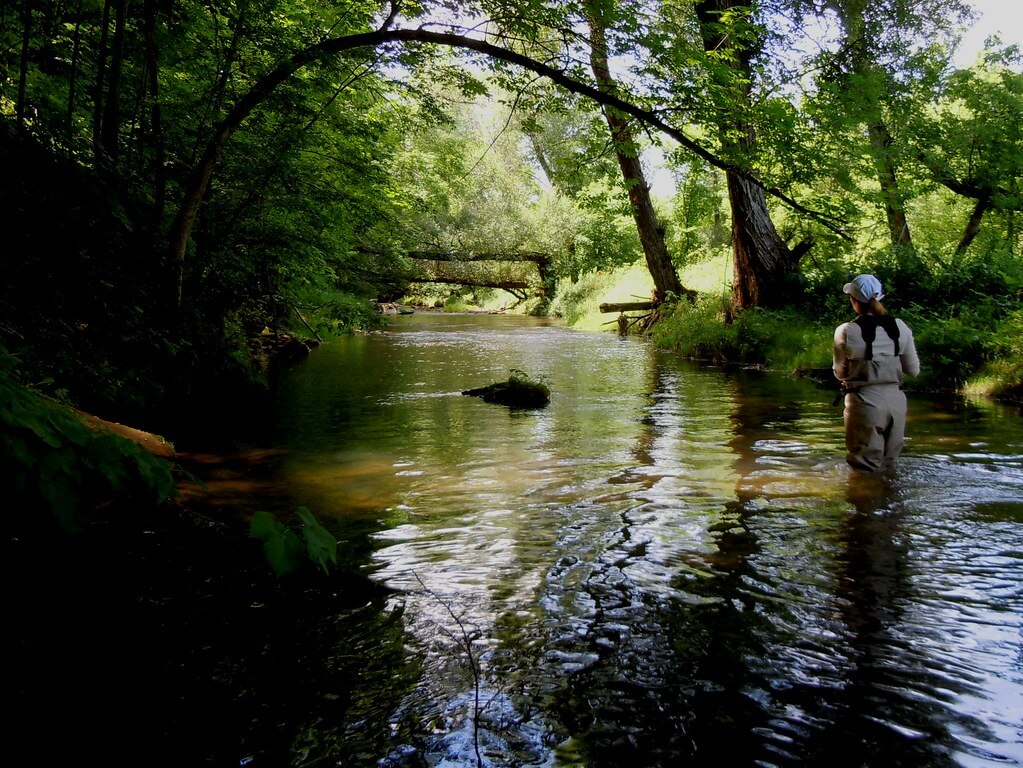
822,290
779,338
952,348
287,550
1002,373
934,282
456,303
342,313
783,338
572,297
944,283
699,331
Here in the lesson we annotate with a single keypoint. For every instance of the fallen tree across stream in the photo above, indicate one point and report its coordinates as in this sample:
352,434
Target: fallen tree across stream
630,306
517,288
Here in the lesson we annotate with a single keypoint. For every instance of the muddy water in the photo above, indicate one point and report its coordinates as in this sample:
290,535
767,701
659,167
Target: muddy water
669,565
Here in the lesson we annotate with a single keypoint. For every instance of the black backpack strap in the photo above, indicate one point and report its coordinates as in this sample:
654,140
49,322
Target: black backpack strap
868,325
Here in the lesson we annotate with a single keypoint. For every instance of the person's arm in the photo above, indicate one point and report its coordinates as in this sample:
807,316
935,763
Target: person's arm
907,351
840,361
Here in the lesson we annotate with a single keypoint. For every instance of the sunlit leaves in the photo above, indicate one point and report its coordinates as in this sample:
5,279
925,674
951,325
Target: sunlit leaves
974,135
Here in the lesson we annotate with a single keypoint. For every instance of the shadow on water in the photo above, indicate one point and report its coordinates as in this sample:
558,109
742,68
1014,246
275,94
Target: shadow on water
675,680
161,645
747,661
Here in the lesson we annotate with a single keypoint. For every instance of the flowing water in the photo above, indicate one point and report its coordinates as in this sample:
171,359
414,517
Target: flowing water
669,565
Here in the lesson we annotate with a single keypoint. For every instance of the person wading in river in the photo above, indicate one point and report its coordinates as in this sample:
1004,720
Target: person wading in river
872,355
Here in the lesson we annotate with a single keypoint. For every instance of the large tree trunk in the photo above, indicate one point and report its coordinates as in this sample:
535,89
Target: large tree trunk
651,234
761,259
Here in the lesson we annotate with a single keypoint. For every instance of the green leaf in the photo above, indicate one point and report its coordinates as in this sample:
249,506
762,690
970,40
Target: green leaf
283,549
262,525
33,421
321,546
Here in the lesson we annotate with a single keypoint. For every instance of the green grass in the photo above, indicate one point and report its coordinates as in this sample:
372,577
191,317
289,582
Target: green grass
711,276
777,339
780,339
578,303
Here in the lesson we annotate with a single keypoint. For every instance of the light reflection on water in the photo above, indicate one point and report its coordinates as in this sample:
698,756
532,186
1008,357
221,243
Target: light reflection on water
669,563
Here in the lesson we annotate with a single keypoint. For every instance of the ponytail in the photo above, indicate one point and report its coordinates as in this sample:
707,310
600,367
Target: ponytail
876,307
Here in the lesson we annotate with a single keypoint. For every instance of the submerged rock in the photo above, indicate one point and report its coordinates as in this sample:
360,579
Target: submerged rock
517,392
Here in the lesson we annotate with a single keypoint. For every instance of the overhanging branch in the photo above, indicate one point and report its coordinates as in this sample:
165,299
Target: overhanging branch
200,177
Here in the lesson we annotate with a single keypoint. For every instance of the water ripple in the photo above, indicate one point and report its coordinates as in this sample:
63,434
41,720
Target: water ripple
672,564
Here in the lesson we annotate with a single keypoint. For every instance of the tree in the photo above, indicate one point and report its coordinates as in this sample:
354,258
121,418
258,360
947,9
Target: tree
865,80
763,262
879,72
199,178
651,233
569,141
587,211
698,216
971,142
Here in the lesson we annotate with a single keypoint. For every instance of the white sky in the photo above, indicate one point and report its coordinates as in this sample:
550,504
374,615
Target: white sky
997,17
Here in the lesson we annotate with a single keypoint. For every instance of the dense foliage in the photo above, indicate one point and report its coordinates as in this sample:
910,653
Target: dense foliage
189,188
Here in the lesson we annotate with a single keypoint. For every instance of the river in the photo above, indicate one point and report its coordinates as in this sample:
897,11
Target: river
669,565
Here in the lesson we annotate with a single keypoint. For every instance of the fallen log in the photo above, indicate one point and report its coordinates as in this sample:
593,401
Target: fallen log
155,444
533,256
471,282
630,306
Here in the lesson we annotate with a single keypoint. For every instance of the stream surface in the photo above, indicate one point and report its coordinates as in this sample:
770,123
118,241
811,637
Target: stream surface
669,565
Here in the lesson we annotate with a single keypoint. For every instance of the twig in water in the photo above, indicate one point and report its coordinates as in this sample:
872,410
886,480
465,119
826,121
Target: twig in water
465,642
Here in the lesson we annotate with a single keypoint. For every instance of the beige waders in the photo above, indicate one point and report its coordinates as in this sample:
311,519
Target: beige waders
875,426
871,371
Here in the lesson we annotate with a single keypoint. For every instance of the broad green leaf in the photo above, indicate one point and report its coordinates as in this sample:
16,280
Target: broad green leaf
321,546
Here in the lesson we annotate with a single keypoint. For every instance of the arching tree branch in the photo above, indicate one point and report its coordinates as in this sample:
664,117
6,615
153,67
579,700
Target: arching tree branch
199,179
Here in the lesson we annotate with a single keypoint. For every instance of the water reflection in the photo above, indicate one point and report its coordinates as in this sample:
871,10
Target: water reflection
867,723
670,564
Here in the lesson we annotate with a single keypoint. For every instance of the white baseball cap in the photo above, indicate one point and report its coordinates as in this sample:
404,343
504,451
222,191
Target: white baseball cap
864,288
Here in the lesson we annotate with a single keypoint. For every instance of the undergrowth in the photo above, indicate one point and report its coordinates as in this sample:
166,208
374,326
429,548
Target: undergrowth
59,472
976,348
710,331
